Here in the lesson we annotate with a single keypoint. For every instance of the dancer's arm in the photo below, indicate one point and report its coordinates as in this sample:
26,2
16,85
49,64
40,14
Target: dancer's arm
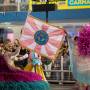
23,57
9,62
16,53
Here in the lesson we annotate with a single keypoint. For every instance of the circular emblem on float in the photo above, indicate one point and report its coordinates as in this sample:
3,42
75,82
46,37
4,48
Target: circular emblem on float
41,37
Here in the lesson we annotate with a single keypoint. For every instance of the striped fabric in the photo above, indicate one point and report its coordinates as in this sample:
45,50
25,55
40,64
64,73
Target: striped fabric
41,37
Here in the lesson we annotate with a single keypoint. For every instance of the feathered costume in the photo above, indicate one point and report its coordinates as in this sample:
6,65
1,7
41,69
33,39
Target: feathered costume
35,65
80,55
14,79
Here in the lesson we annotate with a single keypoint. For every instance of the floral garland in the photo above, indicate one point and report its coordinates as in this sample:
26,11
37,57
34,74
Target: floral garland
84,40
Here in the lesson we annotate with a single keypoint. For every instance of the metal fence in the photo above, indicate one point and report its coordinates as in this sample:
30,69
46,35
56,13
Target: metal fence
61,74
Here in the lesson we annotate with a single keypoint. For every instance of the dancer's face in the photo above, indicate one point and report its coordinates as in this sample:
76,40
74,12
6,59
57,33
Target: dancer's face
75,40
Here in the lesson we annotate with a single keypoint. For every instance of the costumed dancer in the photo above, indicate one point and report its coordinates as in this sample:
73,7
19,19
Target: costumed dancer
47,65
22,58
9,50
35,65
79,49
14,79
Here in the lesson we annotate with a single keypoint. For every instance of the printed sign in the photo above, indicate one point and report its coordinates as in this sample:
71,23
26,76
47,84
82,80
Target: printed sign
73,4
64,4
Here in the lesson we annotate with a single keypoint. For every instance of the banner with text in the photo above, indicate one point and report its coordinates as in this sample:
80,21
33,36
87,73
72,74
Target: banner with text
73,4
63,4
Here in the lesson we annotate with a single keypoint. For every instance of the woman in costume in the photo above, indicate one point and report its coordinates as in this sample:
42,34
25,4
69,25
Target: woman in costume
14,79
10,51
22,58
35,65
79,49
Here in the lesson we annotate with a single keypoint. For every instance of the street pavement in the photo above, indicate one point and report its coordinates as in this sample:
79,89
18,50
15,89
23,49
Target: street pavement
63,87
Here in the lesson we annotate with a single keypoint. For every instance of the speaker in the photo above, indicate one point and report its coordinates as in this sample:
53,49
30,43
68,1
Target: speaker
43,7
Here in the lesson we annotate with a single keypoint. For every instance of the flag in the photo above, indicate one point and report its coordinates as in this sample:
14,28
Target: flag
43,38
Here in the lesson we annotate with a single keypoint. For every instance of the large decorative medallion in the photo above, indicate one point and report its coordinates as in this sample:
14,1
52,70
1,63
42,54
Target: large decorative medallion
41,37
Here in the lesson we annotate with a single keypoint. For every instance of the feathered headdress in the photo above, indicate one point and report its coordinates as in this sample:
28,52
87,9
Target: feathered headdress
84,40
